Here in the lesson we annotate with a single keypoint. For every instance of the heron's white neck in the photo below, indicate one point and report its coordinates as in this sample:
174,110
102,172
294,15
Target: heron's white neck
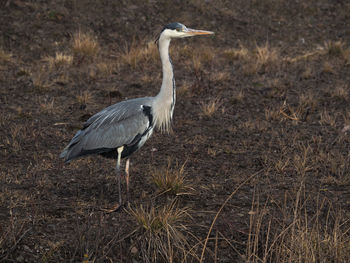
165,100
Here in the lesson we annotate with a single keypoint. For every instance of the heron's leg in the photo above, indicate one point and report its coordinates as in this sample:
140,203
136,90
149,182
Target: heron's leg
119,150
127,163
117,168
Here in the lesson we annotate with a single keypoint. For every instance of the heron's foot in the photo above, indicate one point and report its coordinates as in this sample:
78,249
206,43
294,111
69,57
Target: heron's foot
114,208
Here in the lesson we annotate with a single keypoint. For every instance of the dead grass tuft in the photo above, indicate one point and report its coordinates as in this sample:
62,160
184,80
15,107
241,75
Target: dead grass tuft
84,97
308,73
303,237
327,67
308,100
47,105
241,53
136,56
209,108
237,97
84,45
272,114
340,92
161,232
106,68
289,112
59,61
265,55
327,119
334,48
40,78
204,56
262,59
346,56
184,89
336,166
5,57
171,180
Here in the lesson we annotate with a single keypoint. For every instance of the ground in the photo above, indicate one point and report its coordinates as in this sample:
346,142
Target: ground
260,131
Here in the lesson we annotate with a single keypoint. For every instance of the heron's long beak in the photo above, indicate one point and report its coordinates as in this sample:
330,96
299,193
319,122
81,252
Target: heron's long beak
194,32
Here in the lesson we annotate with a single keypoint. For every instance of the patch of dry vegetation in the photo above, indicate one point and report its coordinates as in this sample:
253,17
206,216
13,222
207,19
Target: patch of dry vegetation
47,105
161,232
105,68
327,119
41,78
201,57
241,53
59,61
261,59
137,55
84,45
303,237
334,48
171,180
84,97
5,57
341,91
212,106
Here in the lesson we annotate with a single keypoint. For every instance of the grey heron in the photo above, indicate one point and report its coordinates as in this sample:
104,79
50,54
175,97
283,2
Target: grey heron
121,129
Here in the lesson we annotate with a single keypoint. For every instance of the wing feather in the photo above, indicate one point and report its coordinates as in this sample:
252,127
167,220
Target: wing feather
115,126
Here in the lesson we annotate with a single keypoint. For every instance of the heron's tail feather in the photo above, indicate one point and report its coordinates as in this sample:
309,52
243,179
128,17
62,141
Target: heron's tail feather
73,149
63,153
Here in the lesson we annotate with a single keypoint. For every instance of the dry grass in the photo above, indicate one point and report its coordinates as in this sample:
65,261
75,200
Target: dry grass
60,60
84,97
106,68
327,119
220,76
336,166
346,56
307,56
340,92
201,57
209,108
13,142
161,232
289,112
84,45
5,57
40,78
334,48
171,180
330,48
265,55
272,114
303,239
47,105
308,73
237,97
241,53
293,113
328,67
261,59
137,56
308,100
278,89
183,90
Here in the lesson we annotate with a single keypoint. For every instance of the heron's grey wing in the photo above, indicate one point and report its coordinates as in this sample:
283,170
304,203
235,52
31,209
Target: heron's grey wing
114,130
117,125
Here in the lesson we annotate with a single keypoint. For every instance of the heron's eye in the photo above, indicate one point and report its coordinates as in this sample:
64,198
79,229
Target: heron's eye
178,29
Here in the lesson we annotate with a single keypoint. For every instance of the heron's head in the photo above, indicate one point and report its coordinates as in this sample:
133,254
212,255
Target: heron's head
178,30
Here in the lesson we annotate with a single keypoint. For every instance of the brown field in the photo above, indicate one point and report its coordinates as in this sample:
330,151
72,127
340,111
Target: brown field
256,169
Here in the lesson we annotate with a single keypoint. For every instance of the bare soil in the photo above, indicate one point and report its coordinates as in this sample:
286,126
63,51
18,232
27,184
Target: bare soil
284,119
